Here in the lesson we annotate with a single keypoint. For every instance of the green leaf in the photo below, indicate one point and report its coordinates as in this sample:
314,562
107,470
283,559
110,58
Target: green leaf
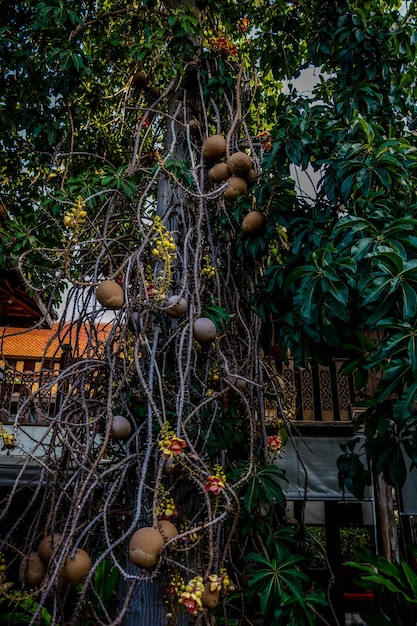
411,577
409,301
385,582
393,378
412,352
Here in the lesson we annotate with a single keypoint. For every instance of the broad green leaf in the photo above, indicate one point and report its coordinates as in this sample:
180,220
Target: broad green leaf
411,576
385,582
409,300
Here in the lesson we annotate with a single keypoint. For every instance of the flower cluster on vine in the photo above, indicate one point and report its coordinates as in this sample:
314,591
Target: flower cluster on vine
169,444
164,249
217,481
165,507
274,443
265,140
223,44
75,217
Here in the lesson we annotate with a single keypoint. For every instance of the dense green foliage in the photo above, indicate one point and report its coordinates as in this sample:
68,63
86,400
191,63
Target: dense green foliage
399,580
347,281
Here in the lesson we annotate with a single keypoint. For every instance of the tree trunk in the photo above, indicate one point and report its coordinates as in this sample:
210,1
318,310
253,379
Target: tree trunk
147,607
387,539
384,507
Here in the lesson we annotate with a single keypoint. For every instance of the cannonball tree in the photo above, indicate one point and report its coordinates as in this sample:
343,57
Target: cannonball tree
115,116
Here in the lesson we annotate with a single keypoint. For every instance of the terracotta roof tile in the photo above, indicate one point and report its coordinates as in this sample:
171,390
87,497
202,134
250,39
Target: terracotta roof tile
18,343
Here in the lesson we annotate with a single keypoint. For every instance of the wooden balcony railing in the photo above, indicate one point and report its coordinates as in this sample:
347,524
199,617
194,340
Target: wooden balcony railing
318,394
32,394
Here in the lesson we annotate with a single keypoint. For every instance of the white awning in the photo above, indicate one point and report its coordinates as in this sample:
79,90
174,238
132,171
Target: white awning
311,470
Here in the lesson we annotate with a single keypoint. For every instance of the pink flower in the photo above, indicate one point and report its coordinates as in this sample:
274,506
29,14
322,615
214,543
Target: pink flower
172,447
274,443
214,484
190,603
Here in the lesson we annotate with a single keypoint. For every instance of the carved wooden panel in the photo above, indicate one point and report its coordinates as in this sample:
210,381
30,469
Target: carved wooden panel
290,396
325,393
343,392
307,394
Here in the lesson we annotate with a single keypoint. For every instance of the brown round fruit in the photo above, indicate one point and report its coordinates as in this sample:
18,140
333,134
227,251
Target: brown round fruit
120,428
214,147
139,79
253,222
176,306
48,546
252,177
145,546
210,599
235,381
76,567
235,187
239,164
167,529
31,570
204,330
110,294
219,173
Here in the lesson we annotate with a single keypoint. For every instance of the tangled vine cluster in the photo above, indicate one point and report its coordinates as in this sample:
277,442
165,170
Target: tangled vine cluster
192,404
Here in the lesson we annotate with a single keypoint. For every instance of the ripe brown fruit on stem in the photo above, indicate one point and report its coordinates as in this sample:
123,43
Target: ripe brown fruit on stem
167,529
252,177
120,428
110,294
176,306
210,599
145,546
240,164
214,147
235,187
76,567
204,330
219,172
48,546
31,570
253,223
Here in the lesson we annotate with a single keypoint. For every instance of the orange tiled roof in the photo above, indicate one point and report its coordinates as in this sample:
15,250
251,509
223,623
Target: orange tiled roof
18,343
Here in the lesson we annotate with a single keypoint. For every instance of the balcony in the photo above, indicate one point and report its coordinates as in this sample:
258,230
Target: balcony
32,394
320,395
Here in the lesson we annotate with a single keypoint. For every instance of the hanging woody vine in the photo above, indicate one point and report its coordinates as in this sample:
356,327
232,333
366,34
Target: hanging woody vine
147,163
159,436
